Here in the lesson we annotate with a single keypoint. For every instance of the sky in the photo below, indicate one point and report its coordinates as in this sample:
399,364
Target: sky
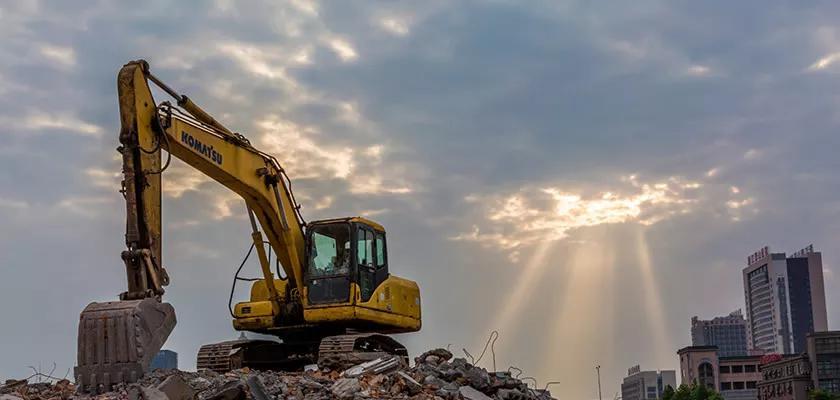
581,177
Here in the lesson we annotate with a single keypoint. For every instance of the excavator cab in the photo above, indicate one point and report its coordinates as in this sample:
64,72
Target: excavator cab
345,259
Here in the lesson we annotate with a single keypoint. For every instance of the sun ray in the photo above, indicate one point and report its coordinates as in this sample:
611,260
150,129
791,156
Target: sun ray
581,327
515,300
654,309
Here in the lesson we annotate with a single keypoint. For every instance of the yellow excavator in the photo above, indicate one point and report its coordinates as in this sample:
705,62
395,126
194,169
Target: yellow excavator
332,297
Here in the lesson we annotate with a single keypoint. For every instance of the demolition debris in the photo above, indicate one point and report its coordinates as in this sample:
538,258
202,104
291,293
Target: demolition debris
435,376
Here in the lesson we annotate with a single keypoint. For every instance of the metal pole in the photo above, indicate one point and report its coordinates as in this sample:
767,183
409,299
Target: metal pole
598,371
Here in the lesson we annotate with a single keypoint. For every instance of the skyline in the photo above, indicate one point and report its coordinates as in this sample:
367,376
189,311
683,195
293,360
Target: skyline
581,178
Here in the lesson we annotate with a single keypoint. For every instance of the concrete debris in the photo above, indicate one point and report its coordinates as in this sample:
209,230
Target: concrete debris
435,376
346,387
233,390
378,366
470,393
257,388
176,388
150,393
413,387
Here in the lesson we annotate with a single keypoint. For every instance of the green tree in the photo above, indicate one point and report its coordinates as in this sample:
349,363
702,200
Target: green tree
819,394
692,392
668,393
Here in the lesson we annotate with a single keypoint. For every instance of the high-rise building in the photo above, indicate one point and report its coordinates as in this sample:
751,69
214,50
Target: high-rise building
647,385
785,299
728,333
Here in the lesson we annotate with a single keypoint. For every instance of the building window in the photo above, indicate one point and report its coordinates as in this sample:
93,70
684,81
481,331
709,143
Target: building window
751,385
827,366
737,369
724,369
738,385
725,386
707,375
749,368
830,385
828,345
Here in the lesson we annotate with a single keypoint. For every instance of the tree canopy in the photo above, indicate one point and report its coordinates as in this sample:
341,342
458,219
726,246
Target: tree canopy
693,392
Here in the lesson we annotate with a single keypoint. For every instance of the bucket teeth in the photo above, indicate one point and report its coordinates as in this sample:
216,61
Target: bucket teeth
117,341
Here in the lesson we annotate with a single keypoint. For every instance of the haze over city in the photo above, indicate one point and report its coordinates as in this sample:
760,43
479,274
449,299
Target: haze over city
582,178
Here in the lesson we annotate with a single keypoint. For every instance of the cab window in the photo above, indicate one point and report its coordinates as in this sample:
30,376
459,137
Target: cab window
380,250
364,248
329,251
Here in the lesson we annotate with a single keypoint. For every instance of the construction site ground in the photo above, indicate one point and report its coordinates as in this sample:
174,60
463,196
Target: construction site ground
434,375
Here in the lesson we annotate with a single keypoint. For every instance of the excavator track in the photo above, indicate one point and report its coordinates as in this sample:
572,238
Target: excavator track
342,351
258,354
219,357
333,352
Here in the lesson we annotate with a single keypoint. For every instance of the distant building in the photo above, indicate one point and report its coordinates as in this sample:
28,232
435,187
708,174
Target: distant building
785,299
824,353
786,378
165,359
728,333
646,385
769,377
735,377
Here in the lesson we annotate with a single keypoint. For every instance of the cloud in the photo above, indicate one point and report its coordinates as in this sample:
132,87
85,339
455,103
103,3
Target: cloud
536,214
736,204
343,49
711,173
305,154
300,151
824,62
375,184
42,122
752,154
13,204
308,7
85,206
106,179
65,56
180,178
257,61
439,117
394,26
698,70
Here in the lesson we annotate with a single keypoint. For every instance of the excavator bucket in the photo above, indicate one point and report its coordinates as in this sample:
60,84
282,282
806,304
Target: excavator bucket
118,339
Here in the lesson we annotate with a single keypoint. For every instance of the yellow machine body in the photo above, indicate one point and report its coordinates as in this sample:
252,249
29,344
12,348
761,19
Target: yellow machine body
336,272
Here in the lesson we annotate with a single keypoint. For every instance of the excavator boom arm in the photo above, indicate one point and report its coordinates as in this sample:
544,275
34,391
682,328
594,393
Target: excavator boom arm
206,145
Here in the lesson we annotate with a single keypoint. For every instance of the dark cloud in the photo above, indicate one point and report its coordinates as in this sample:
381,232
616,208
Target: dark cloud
430,116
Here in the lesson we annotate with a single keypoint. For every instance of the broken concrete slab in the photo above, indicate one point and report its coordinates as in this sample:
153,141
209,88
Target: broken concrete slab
470,393
176,388
257,388
234,390
345,387
378,366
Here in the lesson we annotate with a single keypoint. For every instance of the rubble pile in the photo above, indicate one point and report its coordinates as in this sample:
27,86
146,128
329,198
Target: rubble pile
435,376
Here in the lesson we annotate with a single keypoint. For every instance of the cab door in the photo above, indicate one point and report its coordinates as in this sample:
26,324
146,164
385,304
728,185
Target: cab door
381,258
329,263
365,261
